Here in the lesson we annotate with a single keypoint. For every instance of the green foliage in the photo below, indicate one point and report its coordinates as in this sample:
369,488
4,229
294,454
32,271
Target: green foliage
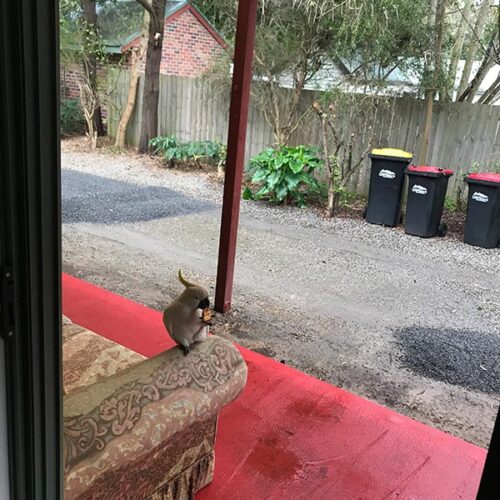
284,174
168,146
72,119
117,22
371,37
198,151
298,43
343,197
492,166
78,40
450,204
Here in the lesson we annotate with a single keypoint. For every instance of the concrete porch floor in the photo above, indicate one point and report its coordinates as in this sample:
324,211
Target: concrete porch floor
292,436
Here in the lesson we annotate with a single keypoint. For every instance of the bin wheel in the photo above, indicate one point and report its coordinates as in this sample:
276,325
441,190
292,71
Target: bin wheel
364,212
442,230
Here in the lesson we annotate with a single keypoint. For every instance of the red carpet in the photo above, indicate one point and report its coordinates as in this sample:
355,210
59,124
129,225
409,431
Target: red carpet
294,437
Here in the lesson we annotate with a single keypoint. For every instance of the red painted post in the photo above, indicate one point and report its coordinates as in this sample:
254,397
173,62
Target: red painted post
238,116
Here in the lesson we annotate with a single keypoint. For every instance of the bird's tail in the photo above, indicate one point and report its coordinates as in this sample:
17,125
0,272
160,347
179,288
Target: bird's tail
183,280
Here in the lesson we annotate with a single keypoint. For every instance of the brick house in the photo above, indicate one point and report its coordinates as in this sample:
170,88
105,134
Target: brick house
190,46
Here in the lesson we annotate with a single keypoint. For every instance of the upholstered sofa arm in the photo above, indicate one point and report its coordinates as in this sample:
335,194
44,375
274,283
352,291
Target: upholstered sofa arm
139,431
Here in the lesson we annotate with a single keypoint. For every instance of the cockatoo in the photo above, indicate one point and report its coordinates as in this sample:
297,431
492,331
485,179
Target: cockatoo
183,318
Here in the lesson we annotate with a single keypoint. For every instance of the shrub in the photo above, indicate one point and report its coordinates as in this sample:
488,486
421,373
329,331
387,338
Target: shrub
197,151
488,166
450,204
72,119
284,174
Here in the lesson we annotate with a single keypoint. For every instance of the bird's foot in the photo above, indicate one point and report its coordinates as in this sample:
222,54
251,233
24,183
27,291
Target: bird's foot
186,349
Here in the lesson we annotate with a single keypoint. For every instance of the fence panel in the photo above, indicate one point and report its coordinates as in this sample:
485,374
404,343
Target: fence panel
463,134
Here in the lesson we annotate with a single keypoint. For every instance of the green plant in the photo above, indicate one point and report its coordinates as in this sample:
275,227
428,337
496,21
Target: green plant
488,166
197,151
72,119
171,149
213,151
450,204
284,174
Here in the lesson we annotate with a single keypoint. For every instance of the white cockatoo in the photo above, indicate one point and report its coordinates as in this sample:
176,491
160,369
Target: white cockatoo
183,317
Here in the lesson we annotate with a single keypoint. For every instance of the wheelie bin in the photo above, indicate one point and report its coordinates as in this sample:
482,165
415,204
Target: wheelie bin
482,226
426,194
387,180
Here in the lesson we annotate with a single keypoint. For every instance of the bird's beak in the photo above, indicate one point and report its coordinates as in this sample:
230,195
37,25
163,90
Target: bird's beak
204,303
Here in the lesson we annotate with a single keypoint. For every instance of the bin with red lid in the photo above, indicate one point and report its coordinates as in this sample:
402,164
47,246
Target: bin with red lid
482,227
426,194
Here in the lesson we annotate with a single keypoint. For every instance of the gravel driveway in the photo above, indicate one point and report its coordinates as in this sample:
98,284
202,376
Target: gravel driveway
410,323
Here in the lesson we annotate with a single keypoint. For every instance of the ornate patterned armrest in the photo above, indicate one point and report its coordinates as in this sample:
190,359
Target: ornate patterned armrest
149,431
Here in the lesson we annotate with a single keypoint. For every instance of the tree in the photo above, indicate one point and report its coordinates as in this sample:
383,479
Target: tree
346,119
456,51
474,44
475,35
151,96
490,53
433,73
81,43
491,57
91,40
290,46
299,42
137,56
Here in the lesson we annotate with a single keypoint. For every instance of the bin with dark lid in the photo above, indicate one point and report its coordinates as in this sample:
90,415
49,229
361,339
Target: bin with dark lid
482,227
387,180
426,194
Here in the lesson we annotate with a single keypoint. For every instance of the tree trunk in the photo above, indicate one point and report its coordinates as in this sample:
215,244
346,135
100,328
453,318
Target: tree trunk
489,60
473,46
149,123
431,18
428,110
456,51
90,65
330,209
475,84
438,49
136,61
490,96
438,19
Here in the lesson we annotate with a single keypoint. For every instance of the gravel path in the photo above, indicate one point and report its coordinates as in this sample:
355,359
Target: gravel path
413,324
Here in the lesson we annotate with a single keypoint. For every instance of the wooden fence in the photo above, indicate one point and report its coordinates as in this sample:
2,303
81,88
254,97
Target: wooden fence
192,109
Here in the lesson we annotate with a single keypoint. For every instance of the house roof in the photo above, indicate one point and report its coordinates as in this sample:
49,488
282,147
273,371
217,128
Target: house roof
172,10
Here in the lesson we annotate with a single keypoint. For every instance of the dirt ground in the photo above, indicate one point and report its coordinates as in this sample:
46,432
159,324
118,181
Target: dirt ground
410,323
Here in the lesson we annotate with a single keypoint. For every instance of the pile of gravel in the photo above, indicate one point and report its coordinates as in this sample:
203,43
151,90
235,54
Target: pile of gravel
466,358
100,200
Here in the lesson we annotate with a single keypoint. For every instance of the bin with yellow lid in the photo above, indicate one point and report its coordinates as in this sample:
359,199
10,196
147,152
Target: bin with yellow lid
387,180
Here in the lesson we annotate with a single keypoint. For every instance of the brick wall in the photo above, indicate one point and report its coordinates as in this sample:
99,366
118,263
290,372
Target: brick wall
188,48
71,76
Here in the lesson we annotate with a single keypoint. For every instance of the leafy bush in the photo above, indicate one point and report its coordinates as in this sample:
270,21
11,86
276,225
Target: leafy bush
488,166
285,174
169,147
72,119
211,150
197,151
450,204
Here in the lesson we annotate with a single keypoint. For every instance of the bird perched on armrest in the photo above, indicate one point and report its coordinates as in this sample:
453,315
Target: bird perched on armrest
187,318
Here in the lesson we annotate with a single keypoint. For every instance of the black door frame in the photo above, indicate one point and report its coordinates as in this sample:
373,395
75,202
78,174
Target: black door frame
30,257
490,480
